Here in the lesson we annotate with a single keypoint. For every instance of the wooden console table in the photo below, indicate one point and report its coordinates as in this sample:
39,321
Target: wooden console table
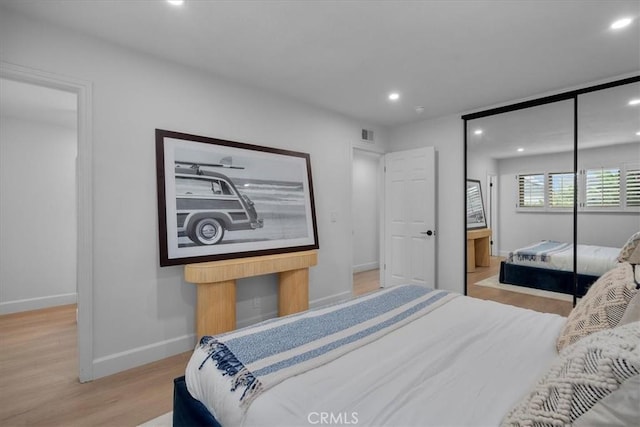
216,281
478,248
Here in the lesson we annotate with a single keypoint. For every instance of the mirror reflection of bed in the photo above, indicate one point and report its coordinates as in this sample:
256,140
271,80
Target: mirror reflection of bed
528,155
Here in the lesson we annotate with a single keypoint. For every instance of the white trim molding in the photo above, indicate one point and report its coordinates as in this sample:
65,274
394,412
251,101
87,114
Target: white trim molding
29,304
84,174
118,362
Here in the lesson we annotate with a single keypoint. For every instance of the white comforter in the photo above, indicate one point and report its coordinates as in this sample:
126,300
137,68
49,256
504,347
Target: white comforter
466,363
592,260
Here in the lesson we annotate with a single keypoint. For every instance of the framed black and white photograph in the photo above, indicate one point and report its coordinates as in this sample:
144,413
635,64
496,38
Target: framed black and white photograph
475,206
221,199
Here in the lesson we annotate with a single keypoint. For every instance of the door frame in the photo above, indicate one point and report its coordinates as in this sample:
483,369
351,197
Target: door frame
84,204
492,212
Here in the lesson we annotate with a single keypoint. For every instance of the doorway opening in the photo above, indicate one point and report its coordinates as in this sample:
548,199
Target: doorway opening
81,210
38,146
366,206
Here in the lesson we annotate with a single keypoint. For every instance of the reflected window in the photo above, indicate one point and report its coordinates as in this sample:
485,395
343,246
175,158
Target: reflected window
633,187
561,187
602,187
531,191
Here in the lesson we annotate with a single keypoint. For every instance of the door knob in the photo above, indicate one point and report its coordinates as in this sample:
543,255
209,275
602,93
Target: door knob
428,232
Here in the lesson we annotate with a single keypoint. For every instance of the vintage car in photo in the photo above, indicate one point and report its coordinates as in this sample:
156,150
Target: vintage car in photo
208,204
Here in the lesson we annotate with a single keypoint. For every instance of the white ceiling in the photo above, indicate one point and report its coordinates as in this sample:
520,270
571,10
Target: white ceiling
604,118
346,56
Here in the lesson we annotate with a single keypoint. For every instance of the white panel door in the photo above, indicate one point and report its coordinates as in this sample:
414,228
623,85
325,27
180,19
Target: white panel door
410,241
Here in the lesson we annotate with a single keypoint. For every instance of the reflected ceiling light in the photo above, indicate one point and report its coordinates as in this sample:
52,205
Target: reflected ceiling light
394,96
621,23
635,101
477,132
520,150
638,133
175,2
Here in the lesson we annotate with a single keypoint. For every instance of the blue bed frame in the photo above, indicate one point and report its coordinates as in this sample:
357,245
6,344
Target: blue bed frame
544,279
187,411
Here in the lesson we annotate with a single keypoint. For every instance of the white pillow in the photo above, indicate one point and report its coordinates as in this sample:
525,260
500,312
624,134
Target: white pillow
593,380
632,313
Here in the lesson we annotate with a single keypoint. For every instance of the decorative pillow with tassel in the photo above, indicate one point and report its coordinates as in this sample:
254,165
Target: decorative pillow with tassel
629,248
602,307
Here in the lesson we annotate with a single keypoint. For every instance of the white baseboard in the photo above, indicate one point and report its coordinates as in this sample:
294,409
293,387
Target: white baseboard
366,267
312,304
331,299
37,303
119,362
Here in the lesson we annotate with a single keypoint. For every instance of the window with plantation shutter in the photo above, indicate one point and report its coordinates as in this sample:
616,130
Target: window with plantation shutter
560,188
633,187
602,187
531,191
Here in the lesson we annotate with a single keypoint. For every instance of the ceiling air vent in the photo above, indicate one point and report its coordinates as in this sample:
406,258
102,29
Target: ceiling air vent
367,135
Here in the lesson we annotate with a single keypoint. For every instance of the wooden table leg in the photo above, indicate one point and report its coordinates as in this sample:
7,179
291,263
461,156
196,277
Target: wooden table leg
216,308
471,255
483,249
293,291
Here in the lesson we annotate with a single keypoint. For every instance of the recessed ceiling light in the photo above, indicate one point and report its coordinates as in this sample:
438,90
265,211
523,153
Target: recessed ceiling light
635,101
394,96
621,23
638,133
478,132
520,150
176,2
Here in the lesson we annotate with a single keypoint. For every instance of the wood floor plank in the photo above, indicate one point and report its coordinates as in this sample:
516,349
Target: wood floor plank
39,384
541,304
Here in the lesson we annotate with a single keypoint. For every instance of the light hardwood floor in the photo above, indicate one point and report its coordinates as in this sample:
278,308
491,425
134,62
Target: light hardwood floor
545,305
366,281
39,378
39,365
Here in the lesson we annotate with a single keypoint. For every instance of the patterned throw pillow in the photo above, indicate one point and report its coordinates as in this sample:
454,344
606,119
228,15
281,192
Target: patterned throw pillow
593,382
602,307
629,247
634,258
632,313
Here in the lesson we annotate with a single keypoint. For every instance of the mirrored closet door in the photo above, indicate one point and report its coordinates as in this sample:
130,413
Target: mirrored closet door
541,164
608,164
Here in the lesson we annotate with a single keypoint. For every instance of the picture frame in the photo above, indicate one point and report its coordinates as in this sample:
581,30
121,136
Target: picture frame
475,206
220,199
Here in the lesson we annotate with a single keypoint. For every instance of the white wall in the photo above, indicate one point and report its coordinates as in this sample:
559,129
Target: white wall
479,166
445,134
143,312
608,229
594,228
37,215
518,229
366,208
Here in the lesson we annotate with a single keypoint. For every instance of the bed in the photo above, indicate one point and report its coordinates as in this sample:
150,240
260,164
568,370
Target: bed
548,265
403,356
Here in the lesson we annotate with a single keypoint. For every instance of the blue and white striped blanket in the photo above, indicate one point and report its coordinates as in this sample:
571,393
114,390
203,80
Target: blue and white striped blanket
542,251
257,358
